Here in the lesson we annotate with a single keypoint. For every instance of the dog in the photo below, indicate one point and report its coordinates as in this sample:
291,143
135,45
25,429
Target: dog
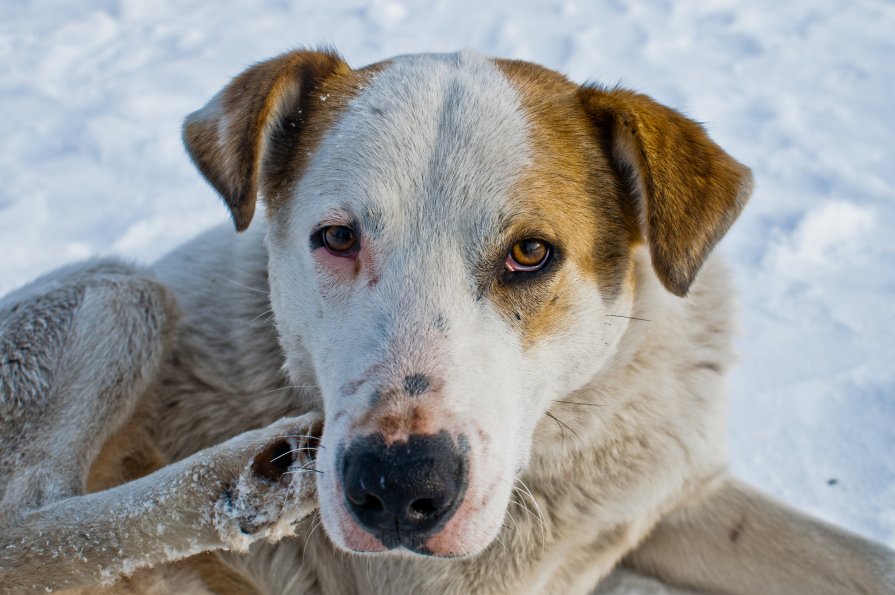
476,343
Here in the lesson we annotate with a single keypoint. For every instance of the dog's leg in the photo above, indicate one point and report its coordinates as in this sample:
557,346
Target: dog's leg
736,540
78,350
254,486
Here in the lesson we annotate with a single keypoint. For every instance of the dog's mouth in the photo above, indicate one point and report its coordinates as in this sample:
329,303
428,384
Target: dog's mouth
412,536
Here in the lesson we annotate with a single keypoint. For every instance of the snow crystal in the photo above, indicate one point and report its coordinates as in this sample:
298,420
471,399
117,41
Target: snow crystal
257,508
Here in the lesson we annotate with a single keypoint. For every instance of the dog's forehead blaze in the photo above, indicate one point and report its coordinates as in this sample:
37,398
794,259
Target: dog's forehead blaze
570,189
435,139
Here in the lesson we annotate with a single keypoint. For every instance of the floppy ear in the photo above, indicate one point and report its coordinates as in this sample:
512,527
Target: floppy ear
688,190
227,138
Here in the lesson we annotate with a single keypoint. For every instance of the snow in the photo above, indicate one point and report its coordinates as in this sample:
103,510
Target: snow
92,96
258,508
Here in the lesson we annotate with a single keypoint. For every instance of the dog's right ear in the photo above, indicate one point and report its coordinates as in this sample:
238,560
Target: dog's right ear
228,137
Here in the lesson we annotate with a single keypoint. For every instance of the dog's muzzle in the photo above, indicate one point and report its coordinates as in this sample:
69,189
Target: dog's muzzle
404,493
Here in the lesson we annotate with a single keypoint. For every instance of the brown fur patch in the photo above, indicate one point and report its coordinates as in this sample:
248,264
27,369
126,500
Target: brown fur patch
219,576
397,419
612,168
689,191
128,454
257,132
570,196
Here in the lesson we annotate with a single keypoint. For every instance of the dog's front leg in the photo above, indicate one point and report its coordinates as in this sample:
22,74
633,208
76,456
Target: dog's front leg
734,539
254,486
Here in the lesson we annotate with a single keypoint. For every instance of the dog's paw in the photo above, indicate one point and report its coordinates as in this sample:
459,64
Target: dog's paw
276,488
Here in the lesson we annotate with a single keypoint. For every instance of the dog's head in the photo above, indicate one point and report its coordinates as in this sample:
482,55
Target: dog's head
447,235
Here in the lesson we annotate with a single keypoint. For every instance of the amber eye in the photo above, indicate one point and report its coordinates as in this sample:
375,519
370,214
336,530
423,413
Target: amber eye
339,239
528,255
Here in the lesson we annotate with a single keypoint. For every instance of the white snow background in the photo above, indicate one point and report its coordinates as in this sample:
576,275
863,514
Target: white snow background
92,95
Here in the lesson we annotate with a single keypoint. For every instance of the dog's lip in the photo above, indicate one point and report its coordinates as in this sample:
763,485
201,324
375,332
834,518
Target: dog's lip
412,546
405,552
402,550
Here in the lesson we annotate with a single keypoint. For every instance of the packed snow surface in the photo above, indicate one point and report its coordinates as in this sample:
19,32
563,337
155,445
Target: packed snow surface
92,95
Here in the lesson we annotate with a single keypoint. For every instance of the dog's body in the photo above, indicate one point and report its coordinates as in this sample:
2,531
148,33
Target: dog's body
576,403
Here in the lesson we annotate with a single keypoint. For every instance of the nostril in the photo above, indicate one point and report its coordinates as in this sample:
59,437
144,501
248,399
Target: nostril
371,503
424,507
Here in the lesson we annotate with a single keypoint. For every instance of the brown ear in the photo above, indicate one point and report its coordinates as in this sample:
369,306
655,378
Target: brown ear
688,190
228,137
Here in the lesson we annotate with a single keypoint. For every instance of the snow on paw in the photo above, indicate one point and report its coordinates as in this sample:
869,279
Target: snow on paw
275,489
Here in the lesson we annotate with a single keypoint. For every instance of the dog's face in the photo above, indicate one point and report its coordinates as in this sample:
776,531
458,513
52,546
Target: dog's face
445,297
450,241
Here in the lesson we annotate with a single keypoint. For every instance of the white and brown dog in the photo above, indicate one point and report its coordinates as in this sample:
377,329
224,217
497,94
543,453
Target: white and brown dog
493,288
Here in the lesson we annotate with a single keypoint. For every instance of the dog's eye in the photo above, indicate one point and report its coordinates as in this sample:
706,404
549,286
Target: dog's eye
339,239
528,256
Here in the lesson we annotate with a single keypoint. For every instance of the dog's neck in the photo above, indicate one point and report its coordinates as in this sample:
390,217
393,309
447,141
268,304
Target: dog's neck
666,378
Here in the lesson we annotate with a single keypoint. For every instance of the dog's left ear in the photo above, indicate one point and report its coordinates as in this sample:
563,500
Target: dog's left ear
687,189
227,138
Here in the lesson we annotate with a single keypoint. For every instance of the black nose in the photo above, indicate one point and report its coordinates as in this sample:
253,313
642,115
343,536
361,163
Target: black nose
404,492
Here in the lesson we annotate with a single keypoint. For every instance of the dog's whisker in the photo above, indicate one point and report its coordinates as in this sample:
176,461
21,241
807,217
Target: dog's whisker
269,439
524,505
238,284
292,410
262,314
292,482
500,541
291,386
510,516
628,317
562,431
296,474
579,403
294,450
307,467
561,424
534,501
317,523
538,520
311,437
302,471
295,409
308,436
314,469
